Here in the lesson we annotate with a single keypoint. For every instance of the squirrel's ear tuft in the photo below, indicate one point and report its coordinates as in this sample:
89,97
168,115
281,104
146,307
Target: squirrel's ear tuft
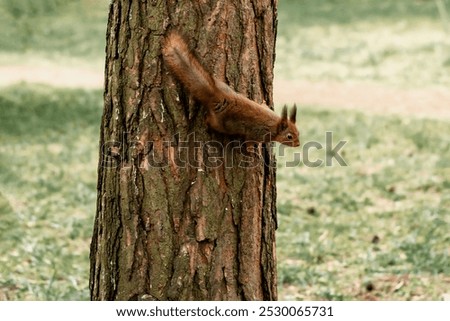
284,112
293,114
284,120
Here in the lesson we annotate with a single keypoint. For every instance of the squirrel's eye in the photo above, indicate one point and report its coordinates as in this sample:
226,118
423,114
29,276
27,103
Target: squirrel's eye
289,136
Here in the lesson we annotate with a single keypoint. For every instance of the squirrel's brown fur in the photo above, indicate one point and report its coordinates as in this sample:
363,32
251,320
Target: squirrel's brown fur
228,111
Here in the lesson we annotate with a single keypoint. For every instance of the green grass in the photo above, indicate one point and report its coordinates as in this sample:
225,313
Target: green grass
383,220
400,42
376,229
48,157
53,29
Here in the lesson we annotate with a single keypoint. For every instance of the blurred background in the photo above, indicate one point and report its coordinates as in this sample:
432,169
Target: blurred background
376,73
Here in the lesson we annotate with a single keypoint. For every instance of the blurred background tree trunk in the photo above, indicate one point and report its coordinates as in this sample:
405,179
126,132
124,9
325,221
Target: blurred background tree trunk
165,229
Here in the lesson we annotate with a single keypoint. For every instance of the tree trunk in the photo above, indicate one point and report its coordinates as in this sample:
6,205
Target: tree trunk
178,218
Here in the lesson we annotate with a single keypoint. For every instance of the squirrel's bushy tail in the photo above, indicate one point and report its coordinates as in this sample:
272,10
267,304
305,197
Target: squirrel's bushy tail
187,69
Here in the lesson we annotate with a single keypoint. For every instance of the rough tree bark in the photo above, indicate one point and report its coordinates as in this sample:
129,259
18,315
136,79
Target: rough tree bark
178,218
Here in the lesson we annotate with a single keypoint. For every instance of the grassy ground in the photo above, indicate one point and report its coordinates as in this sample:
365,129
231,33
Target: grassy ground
48,148
53,28
401,42
376,229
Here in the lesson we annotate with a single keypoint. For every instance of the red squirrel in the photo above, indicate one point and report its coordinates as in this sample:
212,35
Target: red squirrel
228,112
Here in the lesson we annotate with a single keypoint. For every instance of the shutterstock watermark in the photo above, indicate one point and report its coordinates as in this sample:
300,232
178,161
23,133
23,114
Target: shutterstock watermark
331,151
192,152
